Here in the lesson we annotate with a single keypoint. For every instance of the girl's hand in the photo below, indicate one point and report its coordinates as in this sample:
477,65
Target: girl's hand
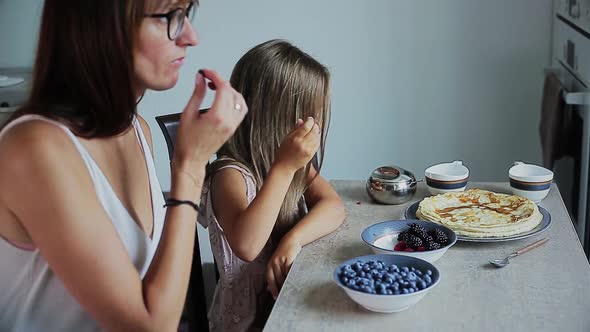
199,136
299,146
280,263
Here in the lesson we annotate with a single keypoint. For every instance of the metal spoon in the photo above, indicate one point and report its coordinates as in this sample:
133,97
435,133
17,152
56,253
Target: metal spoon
503,262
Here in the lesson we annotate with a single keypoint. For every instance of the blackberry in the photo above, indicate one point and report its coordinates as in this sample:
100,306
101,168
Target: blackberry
413,242
439,236
418,230
403,236
432,246
427,239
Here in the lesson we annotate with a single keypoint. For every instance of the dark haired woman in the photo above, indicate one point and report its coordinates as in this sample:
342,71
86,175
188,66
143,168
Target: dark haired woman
85,241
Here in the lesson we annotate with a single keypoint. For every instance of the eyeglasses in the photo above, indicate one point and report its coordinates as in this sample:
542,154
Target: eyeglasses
175,19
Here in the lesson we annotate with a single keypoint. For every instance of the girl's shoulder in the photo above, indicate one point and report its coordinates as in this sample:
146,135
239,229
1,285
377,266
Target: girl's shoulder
228,173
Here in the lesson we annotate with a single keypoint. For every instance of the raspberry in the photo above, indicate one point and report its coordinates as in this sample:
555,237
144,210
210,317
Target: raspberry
409,249
420,249
400,246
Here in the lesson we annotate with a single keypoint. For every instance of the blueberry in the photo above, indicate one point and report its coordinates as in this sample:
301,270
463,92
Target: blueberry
412,269
389,280
379,266
389,292
413,284
429,272
404,274
357,267
411,276
366,268
344,279
418,273
350,274
362,274
393,268
396,292
347,267
405,291
405,269
428,280
421,285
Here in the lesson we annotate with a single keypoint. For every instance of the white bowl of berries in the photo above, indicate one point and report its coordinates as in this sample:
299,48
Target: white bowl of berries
386,283
416,238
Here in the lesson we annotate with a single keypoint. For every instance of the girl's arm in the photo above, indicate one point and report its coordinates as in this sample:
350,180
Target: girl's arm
248,227
325,215
326,212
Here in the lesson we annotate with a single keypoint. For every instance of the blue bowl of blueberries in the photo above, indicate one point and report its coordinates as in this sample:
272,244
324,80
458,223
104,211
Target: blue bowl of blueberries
386,283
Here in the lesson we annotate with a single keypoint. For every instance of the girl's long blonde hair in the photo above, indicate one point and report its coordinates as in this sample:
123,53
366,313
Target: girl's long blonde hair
280,84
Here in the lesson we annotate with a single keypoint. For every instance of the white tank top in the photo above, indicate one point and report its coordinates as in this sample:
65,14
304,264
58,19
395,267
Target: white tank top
32,298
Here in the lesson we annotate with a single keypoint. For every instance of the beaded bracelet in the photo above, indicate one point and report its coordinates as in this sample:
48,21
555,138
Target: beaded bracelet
176,202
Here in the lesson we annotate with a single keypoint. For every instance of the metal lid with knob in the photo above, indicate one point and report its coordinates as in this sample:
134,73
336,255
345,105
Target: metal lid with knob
391,185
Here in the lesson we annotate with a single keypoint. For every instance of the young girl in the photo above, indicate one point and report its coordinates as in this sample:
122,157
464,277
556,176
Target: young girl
257,193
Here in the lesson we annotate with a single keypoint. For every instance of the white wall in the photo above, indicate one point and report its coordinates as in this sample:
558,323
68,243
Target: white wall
19,23
414,82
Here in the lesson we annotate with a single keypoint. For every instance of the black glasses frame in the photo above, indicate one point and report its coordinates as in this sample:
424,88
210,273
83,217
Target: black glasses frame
182,13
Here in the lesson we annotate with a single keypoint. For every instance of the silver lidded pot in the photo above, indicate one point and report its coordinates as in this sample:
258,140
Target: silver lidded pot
391,185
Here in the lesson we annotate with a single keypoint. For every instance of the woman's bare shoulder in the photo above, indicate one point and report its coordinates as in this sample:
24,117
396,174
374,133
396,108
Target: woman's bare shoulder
32,145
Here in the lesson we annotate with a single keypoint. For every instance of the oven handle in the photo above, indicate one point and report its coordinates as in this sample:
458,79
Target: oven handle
576,98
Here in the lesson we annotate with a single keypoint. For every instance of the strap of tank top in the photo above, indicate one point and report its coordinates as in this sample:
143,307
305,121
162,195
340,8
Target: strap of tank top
31,117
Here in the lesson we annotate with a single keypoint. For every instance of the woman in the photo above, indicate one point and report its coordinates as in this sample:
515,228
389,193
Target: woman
85,241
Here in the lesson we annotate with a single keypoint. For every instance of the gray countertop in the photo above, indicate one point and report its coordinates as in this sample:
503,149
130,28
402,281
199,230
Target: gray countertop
547,289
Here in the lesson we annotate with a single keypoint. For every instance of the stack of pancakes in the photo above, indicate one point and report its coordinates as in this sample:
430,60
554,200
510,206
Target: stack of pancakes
481,213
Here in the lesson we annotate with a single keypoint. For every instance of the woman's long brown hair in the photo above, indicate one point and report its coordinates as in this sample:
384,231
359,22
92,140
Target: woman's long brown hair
83,71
